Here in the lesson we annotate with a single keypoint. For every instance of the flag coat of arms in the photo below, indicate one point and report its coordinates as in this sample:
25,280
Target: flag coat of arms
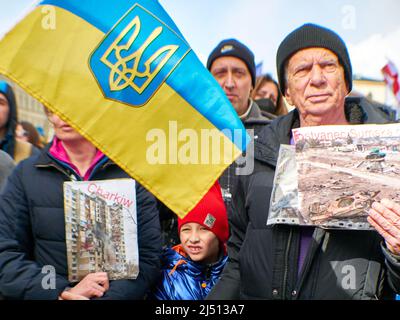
122,74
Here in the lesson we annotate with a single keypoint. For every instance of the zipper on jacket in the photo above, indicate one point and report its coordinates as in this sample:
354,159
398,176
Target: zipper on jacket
70,173
102,164
71,176
61,166
285,274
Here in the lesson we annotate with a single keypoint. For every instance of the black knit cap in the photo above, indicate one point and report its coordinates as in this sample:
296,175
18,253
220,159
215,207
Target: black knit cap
234,48
309,36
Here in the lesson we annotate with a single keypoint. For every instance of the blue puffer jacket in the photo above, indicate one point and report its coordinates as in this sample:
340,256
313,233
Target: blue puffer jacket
32,232
184,279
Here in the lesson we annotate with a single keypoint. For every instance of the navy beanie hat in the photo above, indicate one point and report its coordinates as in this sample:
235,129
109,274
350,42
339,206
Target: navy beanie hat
234,48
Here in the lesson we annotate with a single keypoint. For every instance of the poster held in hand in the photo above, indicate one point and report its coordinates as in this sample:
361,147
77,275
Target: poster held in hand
101,228
341,171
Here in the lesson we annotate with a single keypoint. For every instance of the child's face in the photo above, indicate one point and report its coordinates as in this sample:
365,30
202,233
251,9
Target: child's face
201,244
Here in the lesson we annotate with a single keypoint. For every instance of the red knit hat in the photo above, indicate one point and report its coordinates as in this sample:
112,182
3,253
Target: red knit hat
211,213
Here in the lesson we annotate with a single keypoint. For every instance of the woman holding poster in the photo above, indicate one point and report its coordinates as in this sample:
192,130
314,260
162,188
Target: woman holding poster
34,234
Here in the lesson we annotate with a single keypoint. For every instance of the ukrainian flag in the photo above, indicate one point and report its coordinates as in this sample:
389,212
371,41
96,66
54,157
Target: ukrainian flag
121,73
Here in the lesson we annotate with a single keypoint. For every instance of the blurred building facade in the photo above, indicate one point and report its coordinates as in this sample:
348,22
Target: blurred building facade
377,92
374,90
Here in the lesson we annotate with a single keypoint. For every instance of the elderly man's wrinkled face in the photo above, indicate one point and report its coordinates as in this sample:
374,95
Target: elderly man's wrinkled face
4,111
316,83
235,79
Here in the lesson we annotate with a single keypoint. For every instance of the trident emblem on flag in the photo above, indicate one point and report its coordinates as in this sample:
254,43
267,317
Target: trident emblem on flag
136,57
126,69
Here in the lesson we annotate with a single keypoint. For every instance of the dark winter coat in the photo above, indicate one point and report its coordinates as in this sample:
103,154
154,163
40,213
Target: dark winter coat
185,279
32,231
228,181
263,259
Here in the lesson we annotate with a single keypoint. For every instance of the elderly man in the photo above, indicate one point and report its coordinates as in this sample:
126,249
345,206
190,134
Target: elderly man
232,65
292,262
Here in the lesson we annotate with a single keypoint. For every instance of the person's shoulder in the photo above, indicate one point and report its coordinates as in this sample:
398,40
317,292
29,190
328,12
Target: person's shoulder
30,162
5,159
22,150
35,151
176,252
256,117
278,130
279,126
172,260
363,110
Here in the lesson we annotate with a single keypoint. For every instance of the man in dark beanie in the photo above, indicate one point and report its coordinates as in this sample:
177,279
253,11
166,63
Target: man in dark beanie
232,65
309,36
296,262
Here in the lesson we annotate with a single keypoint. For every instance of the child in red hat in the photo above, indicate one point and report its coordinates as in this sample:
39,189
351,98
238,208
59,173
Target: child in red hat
191,269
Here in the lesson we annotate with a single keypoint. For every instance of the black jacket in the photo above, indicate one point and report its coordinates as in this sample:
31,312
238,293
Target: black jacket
228,181
263,259
32,231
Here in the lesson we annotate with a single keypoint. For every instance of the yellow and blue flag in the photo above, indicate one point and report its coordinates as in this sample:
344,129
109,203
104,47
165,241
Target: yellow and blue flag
121,73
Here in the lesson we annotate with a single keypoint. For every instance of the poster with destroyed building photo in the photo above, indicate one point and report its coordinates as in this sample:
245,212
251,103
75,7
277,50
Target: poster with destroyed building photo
342,170
101,228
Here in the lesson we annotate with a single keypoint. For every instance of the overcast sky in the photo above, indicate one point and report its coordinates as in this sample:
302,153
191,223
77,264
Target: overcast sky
371,28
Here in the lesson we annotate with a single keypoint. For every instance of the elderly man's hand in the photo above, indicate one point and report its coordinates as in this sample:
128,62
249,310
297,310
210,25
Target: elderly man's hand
385,218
